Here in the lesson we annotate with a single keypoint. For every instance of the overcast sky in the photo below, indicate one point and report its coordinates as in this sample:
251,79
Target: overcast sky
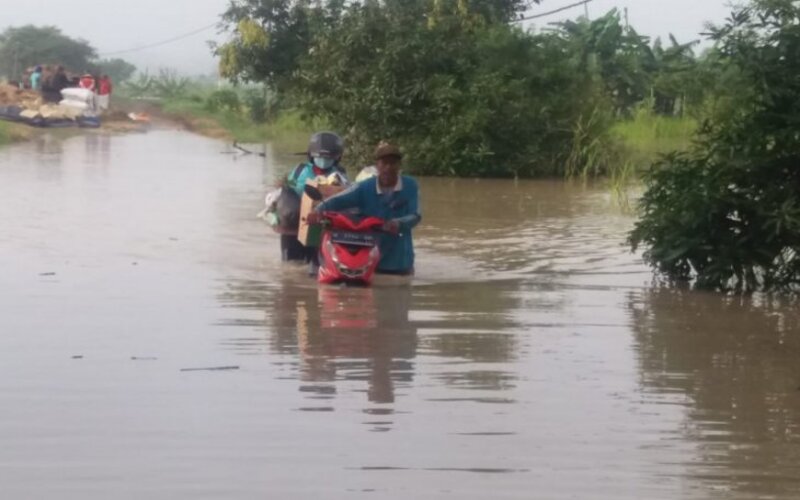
116,25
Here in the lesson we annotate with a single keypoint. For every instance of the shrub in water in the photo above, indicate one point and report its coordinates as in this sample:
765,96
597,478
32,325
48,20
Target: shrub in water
727,213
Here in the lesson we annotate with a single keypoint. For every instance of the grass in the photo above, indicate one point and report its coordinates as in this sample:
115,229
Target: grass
288,128
641,140
5,135
648,135
11,132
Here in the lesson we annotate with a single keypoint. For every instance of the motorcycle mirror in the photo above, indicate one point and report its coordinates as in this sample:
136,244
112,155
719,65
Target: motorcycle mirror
313,193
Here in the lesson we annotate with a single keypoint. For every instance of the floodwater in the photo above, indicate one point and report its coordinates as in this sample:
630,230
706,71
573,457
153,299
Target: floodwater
532,357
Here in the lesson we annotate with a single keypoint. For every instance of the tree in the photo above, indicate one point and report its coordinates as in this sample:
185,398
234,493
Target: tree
676,81
727,213
614,54
26,46
118,69
465,95
268,39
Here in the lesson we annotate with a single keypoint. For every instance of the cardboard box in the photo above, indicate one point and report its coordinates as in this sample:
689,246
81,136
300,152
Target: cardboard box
310,235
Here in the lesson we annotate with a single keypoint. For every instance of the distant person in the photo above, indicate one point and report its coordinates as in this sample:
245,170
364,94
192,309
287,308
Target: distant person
36,78
87,82
104,89
390,196
52,87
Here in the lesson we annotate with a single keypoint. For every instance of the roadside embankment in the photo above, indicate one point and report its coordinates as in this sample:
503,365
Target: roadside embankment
12,132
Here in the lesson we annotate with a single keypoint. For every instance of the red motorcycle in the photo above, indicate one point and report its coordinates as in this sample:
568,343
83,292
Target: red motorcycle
349,250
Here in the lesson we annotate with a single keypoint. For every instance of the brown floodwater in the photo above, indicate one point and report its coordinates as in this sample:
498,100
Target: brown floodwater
532,357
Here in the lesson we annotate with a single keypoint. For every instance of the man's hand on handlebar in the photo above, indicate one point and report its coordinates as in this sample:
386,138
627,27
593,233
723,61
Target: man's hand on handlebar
391,226
314,218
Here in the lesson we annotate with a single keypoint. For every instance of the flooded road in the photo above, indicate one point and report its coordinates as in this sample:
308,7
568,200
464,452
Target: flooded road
531,358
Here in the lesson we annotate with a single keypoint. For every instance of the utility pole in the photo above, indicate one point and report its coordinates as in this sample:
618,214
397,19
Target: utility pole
586,9
626,18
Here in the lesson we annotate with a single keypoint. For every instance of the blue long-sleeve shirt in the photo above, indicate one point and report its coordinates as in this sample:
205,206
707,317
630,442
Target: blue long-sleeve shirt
400,204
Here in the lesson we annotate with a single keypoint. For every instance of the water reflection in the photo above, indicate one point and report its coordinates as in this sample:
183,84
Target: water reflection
341,341
339,335
736,360
97,150
357,334
530,345
48,152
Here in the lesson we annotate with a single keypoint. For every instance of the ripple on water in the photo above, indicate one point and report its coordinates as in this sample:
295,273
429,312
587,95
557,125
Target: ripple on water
530,358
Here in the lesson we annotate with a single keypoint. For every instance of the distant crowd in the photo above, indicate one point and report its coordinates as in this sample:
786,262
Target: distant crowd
50,80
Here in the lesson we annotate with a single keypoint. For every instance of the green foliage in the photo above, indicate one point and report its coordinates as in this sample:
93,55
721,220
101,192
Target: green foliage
632,70
27,46
289,129
646,134
13,132
594,148
727,213
5,135
613,54
118,69
223,100
462,95
268,38
257,105
677,79
168,84
142,86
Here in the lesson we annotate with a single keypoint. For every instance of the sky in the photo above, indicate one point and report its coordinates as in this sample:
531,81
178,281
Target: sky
117,25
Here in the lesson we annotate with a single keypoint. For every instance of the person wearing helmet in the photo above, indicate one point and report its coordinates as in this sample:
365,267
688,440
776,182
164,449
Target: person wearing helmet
390,196
325,150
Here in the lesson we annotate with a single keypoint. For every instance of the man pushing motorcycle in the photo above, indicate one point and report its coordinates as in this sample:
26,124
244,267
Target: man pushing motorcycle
390,196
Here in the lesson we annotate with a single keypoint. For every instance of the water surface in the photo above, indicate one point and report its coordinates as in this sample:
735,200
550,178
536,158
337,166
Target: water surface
531,358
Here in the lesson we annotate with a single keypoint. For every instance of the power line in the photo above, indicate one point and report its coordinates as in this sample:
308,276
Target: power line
556,11
204,28
163,42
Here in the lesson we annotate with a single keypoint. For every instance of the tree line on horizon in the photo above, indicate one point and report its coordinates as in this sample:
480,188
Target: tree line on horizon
25,47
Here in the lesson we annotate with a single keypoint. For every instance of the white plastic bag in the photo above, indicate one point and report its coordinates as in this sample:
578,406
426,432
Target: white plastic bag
77,94
269,207
82,106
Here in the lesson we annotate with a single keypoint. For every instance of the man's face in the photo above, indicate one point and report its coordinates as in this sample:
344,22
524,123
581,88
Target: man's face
388,170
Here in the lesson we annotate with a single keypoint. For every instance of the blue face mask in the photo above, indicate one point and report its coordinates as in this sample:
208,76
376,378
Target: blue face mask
324,163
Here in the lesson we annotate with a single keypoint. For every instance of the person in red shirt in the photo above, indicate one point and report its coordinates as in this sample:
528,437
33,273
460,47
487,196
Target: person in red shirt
104,89
87,82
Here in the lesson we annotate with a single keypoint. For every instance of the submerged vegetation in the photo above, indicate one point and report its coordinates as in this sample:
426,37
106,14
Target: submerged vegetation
726,213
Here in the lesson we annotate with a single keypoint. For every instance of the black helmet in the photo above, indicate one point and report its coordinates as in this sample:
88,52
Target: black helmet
326,144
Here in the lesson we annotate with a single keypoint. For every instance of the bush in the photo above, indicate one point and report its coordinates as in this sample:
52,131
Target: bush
169,85
256,104
462,96
727,213
223,100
